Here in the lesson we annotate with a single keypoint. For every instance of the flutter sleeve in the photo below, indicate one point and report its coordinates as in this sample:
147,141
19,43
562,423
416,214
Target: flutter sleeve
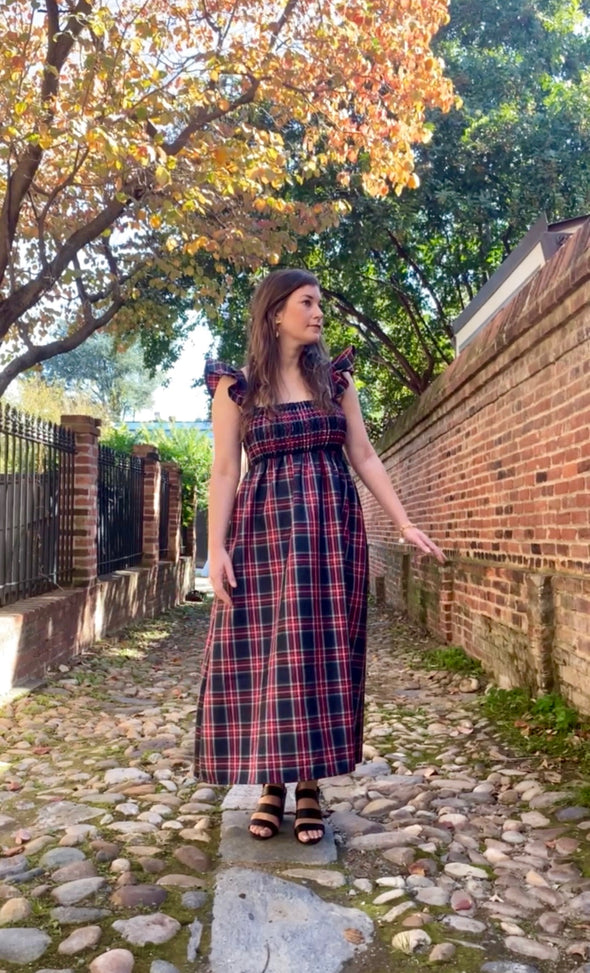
214,370
342,363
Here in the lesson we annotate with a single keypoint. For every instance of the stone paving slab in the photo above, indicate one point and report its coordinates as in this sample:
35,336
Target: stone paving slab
237,846
265,923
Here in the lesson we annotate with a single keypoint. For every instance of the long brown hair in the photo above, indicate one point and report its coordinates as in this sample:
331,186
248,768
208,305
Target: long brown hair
262,358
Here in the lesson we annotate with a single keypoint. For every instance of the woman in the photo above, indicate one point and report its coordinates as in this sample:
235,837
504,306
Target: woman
281,696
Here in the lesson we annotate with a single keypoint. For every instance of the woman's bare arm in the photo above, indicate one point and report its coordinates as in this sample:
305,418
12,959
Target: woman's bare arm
370,470
225,476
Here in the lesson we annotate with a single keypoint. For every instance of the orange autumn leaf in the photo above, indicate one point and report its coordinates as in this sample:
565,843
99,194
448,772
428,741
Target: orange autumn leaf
130,131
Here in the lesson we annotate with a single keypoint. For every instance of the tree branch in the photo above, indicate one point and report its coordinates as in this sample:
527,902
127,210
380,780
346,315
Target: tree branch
419,322
403,253
40,353
381,360
59,45
410,377
203,117
414,317
21,300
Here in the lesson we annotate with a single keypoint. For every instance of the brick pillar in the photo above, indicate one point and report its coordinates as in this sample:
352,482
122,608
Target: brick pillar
86,431
151,503
446,599
174,510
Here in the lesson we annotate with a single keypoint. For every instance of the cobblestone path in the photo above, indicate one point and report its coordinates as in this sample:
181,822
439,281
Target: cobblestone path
442,848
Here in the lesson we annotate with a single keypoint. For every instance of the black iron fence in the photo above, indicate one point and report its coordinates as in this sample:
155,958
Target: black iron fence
120,510
36,505
164,511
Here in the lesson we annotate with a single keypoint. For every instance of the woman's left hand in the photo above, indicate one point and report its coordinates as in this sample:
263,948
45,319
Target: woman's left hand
413,535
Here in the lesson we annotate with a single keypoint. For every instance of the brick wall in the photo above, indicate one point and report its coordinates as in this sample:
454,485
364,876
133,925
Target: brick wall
494,463
37,634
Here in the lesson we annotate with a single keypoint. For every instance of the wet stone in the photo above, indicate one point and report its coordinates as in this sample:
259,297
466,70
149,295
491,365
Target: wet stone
60,857
193,858
72,916
125,775
71,892
465,925
80,940
73,872
161,966
113,961
141,930
14,910
432,896
180,881
529,947
65,813
136,896
573,813
503,966
194,900
442,953
21,945
12,866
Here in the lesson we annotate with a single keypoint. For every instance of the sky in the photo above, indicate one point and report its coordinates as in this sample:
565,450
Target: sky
179,399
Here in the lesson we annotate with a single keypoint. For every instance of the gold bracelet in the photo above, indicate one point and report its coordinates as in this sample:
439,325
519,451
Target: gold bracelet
404,527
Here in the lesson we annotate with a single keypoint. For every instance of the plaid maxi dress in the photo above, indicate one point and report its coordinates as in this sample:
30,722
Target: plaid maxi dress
282,683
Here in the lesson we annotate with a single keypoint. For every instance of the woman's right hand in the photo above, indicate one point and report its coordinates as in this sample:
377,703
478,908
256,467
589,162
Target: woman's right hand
221,571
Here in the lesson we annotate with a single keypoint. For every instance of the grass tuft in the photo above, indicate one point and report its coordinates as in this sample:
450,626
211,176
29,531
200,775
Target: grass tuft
452,658
546,725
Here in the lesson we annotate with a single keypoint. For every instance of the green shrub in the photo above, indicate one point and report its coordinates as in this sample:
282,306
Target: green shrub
190,448
452,658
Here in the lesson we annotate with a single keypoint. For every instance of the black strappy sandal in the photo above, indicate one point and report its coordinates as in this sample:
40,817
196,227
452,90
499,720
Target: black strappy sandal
275,811
308,818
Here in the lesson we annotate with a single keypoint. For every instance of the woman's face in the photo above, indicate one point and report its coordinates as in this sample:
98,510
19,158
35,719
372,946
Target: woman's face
300,321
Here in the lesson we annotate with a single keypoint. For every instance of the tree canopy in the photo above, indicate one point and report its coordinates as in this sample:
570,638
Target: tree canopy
135,136
398,270
109,373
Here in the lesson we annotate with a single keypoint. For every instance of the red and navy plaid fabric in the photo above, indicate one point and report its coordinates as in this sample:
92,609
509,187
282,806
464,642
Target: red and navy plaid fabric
281,696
